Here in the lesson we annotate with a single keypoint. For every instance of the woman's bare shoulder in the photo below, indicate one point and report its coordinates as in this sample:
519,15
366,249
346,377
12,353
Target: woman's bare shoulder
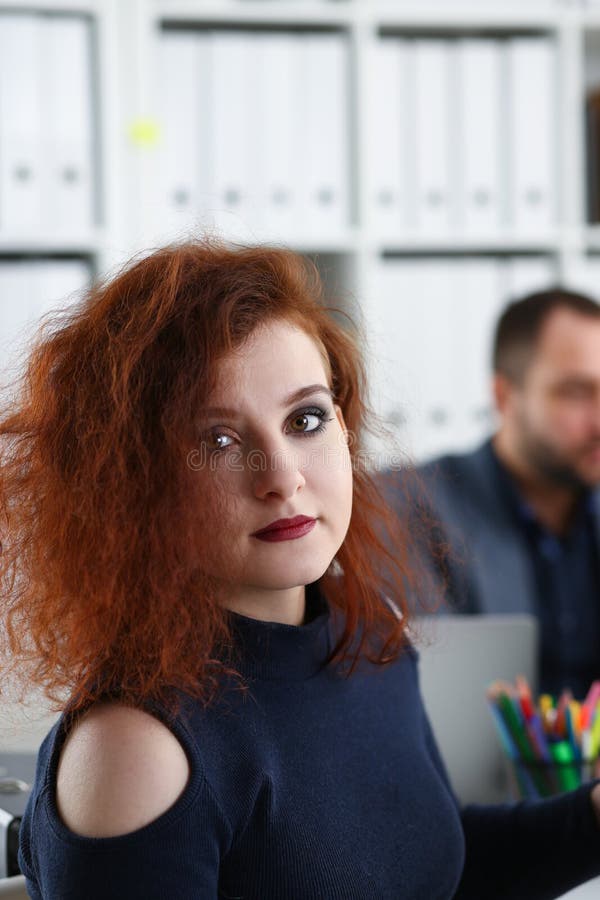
120,768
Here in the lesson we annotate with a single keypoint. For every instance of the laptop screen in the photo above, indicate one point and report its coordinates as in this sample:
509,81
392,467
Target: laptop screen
460,656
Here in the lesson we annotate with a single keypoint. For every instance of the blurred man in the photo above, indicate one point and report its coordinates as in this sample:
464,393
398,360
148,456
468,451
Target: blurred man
521,514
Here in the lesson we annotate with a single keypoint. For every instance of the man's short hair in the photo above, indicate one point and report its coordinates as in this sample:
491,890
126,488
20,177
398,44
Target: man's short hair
519,327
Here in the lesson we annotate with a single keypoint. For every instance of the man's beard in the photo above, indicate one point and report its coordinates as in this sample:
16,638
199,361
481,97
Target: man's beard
551,466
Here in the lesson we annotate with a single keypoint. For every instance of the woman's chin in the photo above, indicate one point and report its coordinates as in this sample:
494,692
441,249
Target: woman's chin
294,575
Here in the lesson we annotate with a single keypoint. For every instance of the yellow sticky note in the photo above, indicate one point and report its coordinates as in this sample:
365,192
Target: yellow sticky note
144,131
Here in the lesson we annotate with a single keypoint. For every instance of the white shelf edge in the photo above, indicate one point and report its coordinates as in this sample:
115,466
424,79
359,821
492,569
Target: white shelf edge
349,243
346,243
471,18
340,15
82,7
405,244
44,244
292,13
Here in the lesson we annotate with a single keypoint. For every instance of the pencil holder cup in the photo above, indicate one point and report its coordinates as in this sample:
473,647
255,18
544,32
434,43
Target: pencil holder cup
553,745
535,780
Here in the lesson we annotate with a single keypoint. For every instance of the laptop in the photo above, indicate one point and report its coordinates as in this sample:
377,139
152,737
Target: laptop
460,656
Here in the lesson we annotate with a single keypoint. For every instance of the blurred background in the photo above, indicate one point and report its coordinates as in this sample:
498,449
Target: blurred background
436,158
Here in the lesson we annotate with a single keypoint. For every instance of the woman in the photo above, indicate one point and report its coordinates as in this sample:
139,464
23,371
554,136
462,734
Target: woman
192,552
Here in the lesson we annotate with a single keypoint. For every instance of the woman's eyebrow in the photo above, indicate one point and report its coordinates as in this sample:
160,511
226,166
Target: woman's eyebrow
303,392
295,397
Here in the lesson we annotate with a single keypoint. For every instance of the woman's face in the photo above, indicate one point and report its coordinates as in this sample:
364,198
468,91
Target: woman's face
276,444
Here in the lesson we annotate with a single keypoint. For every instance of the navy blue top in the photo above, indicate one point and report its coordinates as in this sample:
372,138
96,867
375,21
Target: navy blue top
311,786
567,579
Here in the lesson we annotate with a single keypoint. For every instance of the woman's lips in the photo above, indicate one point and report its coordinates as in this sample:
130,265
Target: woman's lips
286,529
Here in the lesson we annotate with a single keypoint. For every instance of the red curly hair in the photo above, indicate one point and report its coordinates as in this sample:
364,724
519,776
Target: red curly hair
101,564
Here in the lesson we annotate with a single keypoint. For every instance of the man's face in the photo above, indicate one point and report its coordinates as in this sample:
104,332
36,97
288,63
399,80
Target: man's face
554,415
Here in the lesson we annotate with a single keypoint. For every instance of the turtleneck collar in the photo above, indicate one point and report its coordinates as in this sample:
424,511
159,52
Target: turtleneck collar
274,651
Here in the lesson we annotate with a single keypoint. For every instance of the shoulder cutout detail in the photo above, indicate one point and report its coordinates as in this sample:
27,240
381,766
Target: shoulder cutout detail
119,769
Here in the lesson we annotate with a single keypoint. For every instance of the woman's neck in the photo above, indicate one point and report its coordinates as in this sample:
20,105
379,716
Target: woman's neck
288,606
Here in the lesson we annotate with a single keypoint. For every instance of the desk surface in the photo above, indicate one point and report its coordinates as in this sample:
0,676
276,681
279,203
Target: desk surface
589,891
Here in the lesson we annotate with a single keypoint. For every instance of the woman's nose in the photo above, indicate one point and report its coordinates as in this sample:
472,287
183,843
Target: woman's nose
277,472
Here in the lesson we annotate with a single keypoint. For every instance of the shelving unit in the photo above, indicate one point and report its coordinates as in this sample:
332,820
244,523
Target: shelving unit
130,134
44,263
363,23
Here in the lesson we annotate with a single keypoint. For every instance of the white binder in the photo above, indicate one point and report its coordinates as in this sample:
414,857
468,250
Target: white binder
14,316
54,285
526,274
186,127
29,290
412,355
388,135
394,357
66,71
236,142
203,143
584,276
20,117
533,135
433,129
279,132
436,342
481,133
326,142
431,322
476,312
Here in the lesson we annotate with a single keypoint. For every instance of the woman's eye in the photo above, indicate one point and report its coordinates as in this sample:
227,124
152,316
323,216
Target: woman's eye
307,421
218,440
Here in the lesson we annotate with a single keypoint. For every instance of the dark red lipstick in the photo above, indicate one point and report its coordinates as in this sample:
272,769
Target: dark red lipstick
286,529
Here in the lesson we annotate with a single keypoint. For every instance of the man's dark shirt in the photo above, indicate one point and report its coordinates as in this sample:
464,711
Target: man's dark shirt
568,591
